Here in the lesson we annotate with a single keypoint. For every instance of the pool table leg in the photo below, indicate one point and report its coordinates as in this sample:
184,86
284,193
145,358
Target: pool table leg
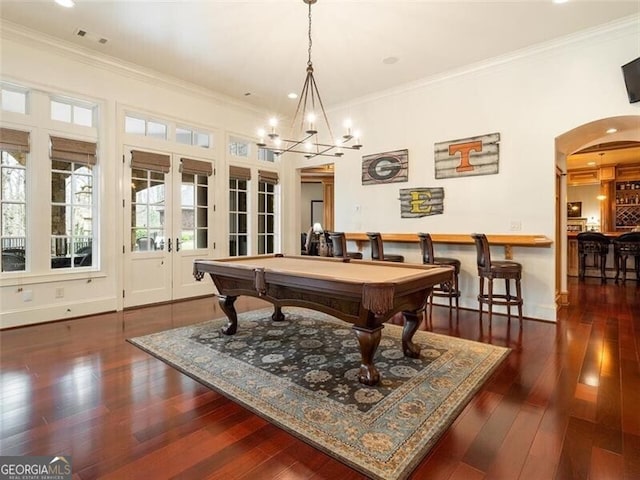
277,315
226,304
411,324
369,341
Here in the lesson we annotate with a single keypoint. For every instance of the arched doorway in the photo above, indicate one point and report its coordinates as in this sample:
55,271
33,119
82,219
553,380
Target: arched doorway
611,136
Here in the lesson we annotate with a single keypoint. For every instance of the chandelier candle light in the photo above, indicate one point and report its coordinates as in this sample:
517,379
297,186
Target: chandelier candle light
309,101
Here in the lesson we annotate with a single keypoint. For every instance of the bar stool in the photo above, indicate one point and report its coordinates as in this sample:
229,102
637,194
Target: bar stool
377,249
340,246
449,289
627,245
596,243
492,269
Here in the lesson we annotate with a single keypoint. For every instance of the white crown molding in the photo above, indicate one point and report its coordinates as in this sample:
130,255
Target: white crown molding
13,32
624,26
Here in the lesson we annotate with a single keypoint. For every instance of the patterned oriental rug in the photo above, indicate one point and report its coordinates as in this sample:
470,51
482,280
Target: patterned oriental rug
300,374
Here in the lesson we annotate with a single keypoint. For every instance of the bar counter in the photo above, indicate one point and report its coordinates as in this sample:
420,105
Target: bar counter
508,241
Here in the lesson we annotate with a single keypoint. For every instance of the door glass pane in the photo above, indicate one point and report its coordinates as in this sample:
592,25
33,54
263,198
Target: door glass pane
271,204
202,217
242,223
140,218
233,201
202,196
242,245
147,211
186,240
156,215
201,238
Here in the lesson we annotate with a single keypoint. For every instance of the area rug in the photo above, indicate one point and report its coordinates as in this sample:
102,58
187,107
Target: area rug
301,374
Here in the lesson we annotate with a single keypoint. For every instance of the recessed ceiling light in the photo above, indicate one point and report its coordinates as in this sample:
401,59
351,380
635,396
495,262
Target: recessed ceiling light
390,60
292,95
66,3
560,1
612,130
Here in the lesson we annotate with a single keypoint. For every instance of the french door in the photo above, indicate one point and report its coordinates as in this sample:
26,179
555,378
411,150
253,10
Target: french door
167,221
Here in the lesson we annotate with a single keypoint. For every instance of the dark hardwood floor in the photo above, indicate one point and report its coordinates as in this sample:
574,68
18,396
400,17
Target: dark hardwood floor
565,404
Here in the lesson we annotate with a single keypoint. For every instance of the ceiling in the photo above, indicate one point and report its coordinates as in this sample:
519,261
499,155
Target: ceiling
256,51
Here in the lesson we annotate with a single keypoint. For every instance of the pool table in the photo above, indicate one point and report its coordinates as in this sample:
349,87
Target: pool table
363,293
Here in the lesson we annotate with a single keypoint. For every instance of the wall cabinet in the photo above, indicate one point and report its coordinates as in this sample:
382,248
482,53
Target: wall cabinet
627,205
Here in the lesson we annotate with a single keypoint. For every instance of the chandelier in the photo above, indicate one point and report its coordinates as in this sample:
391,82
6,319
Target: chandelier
309,111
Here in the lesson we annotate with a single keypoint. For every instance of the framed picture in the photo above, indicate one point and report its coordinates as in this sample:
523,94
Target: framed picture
577,225
574,209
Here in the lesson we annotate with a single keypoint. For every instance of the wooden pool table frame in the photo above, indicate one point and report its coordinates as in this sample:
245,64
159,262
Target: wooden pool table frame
365,303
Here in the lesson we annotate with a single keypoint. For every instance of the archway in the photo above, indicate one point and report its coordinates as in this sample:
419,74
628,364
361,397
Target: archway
598,135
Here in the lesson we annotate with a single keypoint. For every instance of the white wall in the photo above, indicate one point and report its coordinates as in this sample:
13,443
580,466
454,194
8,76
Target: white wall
530,99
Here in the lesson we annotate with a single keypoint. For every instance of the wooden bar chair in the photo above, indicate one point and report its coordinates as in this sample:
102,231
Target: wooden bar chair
596,243
377,249
497,269
448,290
340,246
625,246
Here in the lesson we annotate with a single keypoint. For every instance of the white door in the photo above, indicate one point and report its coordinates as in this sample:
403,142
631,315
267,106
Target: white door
193,194
166,226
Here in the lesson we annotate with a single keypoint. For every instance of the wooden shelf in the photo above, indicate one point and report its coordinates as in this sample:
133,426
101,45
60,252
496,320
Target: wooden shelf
508,241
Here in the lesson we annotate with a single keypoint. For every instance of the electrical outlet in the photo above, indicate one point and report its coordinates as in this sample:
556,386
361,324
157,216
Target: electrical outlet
27,295
516,225
59,292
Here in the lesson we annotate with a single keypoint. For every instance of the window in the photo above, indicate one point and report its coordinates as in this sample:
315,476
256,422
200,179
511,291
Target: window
195,203
238,211
266,211
13,99
239,147
189,136
14,146
265,155
72,201
69,111
147,128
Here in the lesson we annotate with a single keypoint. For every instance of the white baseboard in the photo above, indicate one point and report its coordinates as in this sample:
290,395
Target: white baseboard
59,311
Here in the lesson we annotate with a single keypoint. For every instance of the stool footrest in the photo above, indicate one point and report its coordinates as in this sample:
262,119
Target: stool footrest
501,299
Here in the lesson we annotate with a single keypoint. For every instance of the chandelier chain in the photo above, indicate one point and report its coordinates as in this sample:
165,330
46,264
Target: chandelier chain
310,41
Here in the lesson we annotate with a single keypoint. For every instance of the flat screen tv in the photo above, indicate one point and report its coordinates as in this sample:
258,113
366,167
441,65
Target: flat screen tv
631,73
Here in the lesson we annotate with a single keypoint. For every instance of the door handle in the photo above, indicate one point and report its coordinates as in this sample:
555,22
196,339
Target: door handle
177,244
169,245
